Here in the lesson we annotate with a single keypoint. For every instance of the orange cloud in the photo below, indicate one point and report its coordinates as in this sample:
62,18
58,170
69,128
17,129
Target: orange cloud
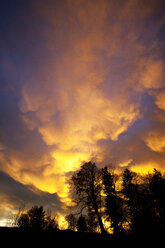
95,62
160,99
146,168
152,74
71,109
156,141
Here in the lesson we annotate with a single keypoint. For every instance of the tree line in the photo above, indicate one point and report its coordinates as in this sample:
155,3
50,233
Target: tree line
36,218
137,206
106,201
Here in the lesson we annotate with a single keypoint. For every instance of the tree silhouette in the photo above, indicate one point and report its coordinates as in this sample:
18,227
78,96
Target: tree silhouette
130,192
87,184
140,204
23,221
72,221
81,224
92,222
157,188
37,217
113,202
50,223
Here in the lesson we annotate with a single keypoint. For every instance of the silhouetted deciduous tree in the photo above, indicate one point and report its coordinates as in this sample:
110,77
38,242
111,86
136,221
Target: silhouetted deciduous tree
87,184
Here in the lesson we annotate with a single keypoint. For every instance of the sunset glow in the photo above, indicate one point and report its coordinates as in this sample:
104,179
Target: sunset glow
81,80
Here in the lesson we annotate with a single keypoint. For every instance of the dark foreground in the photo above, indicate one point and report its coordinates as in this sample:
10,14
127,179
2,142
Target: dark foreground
35,238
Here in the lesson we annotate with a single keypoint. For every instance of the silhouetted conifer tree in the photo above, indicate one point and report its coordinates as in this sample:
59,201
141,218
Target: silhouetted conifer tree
113,203
140,205
157,188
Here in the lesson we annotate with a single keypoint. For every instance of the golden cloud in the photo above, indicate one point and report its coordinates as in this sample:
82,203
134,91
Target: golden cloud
156,141
160,99
85,91
71,110
152,74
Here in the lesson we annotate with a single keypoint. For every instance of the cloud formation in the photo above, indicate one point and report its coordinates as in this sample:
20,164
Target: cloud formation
15,196
81,80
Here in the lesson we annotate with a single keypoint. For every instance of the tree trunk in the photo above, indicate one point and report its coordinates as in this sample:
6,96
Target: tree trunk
99,219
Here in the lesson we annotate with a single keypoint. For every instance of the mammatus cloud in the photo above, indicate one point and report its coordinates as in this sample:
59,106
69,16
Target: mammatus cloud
72,109
91,86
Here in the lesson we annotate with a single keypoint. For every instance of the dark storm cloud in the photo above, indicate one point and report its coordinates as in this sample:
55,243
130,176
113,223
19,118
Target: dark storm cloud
21,195
15,196
15,138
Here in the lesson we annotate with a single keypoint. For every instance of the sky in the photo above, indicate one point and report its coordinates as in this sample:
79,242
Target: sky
80,80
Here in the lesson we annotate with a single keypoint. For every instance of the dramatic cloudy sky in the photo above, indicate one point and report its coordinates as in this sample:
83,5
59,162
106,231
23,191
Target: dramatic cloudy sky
79,80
